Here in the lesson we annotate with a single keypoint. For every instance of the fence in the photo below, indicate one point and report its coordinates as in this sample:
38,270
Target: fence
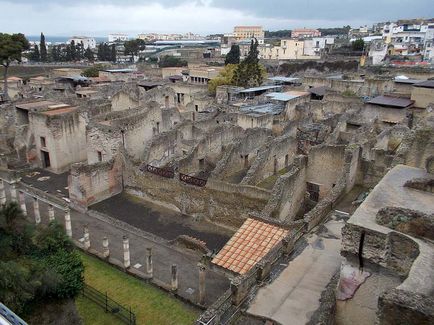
109,305
192,180
164,172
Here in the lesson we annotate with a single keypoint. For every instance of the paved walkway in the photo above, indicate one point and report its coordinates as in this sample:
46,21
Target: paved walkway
164,255
294,295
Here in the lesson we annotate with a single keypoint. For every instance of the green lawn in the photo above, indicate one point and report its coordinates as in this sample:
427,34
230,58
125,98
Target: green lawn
151,305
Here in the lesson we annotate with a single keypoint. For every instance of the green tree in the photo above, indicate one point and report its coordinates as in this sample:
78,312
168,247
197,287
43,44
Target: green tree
132,47
35,56
358,45
36,262
88,54
225,77
11,49
113,53
171,61
250,73
233,57
43,49
93,71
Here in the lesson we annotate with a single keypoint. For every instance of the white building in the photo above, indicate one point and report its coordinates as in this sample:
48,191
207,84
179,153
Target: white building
316,45
88,42
117,37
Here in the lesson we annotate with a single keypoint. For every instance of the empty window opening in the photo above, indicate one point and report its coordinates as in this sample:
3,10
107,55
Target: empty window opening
43,142
99,156
45,159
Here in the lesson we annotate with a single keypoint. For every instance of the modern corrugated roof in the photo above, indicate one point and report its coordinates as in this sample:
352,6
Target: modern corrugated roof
286,96
391,101
249,245
284,79
268,108
425,84
119,70
319,91
261,88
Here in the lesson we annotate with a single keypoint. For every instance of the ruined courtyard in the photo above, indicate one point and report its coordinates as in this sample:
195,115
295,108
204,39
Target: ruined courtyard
284,203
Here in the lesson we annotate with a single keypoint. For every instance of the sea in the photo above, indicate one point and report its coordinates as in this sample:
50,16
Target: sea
60,39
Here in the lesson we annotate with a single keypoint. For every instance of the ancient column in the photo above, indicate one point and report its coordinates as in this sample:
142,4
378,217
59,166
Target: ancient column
50,212
149,266
126,252
68,226
105,247
2,192
14,192
174,281
202,271
22,199
86,237
36,210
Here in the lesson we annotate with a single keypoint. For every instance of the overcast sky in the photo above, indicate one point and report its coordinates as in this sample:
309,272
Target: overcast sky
100,17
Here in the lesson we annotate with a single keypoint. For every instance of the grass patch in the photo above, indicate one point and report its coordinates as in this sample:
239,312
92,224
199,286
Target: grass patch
151,305
269,182
92,314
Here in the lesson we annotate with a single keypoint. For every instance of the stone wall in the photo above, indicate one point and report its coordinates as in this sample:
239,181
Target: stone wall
64,136
423,97
404,307
224,203
325,165
272,157
89,184
288,193
240,154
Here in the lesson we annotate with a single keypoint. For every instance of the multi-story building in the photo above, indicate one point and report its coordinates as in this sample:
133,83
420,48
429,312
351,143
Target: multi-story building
305,33
117,37
317,45
248,32
88,42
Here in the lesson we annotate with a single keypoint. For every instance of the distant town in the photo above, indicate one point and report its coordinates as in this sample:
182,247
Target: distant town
250,177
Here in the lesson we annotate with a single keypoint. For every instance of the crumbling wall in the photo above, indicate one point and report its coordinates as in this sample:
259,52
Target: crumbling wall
241,154
89,184
325,165
405,307
224,203
65,139
123,101
210,148
288,193
272,157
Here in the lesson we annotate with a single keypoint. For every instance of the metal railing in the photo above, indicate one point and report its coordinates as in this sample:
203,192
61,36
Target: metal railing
164,172
109,305
192,180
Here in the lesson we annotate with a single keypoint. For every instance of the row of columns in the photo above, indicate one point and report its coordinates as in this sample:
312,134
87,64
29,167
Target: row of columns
148,262
19,197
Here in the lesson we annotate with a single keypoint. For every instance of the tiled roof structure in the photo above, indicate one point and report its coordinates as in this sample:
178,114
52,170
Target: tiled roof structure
249,245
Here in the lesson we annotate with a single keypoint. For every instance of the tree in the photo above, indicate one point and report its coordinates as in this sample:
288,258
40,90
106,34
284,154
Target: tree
233,57
170,61
11,49
225,77
93,71
358,45
249,73
37,263
113,53
35,56
88,54
43,47
132,47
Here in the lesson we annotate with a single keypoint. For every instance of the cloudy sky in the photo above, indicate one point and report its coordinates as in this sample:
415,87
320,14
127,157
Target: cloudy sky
100,17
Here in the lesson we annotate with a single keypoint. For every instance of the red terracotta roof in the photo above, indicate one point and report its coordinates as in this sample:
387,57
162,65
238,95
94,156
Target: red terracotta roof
249,245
